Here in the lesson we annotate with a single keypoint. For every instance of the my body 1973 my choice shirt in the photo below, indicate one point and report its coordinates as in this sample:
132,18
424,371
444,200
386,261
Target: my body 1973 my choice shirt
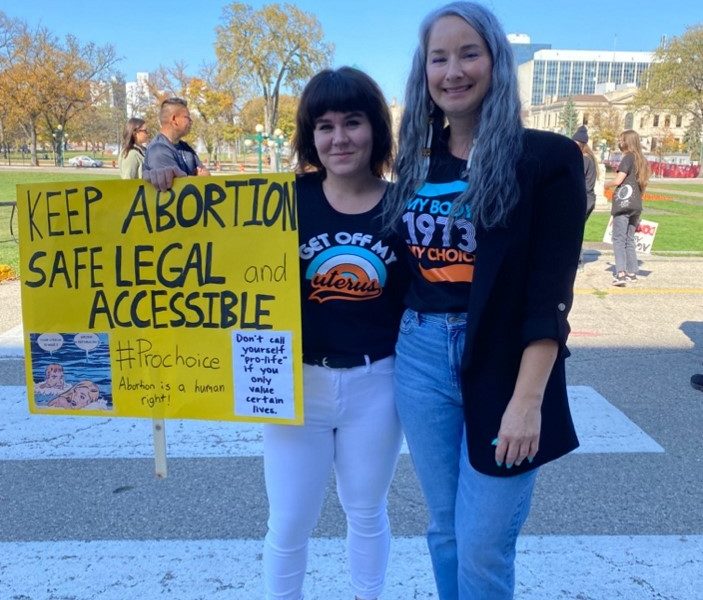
441,258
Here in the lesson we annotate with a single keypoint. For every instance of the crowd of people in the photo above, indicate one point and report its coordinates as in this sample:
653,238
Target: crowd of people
461,347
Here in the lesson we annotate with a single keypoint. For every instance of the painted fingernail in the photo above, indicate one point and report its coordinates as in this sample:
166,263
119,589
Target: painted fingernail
530,459
500,464
494,442
509,466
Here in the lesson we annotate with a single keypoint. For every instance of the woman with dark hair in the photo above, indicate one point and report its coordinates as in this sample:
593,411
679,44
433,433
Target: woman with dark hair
590,172
135,136
626,208
590,167
351,305
493,216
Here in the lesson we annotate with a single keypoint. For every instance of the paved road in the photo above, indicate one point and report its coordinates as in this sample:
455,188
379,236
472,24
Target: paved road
620,518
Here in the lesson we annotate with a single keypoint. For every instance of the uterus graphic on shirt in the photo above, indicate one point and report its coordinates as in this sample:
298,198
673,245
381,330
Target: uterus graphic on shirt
442,248
353,271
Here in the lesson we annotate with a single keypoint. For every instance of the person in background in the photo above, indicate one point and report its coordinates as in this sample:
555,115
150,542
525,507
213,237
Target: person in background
493,217
630,183
135,137
590,167
351,294
168,156
590,172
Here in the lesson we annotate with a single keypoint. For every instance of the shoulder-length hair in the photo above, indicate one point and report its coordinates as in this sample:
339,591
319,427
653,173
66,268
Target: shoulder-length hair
343,90
633,145
493,188
129,134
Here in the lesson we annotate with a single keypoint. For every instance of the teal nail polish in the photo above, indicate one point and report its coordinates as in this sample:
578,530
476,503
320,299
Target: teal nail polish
500,464
529,460
494,442
509,466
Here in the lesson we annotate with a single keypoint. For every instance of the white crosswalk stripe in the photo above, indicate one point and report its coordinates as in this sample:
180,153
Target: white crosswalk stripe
549,567
601,428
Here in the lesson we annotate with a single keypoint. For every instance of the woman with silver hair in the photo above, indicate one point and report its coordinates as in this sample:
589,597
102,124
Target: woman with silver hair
493,217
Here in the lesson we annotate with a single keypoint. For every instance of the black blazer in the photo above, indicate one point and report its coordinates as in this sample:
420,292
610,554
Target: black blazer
522,291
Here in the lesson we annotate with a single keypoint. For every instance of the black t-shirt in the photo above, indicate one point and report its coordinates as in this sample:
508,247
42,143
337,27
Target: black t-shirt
627,196
351,277
441,261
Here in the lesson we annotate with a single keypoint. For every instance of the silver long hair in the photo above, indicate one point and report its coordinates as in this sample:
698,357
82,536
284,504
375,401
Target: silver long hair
493,188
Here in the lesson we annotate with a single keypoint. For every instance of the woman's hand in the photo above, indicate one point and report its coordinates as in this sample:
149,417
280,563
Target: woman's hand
616,181
518,436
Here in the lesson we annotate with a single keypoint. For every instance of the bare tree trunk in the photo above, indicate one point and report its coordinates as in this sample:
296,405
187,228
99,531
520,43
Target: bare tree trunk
33,159
5,147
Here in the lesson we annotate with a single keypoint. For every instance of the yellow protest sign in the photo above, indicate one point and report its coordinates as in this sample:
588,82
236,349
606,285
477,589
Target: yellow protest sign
181,304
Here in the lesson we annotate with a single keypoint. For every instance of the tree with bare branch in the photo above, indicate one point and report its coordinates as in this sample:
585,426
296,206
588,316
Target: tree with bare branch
274,48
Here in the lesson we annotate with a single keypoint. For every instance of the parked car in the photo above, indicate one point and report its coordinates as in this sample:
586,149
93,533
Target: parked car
85,161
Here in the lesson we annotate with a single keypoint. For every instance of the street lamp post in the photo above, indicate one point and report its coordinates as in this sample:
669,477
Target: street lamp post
260,143
58,136
247,146
274,143
278,142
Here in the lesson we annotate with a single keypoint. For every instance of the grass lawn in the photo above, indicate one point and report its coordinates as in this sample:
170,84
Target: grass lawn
679,187
9,250
10,179
680,226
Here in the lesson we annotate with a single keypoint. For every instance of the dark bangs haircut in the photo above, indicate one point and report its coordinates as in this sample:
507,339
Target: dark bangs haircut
343,90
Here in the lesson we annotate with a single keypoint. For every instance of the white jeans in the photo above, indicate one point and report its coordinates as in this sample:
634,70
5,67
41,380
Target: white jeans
350,424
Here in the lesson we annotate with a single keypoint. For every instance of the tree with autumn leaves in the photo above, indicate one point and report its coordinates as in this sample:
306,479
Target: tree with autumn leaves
20,53
675,81
212,104
47,82
272,49
264,57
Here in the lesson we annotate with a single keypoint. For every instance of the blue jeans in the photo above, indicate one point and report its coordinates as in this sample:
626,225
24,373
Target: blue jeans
474,519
